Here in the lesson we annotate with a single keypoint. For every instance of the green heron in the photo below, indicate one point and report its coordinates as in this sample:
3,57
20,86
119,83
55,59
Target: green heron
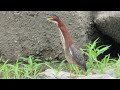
72,54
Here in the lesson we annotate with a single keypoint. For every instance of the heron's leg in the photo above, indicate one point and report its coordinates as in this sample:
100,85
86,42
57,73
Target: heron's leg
77,70
70,70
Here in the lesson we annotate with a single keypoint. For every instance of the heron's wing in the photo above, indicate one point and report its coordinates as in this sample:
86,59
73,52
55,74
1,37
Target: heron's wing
77,56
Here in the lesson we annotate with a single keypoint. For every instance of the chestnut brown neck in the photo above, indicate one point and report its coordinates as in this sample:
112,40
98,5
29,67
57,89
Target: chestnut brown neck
65,33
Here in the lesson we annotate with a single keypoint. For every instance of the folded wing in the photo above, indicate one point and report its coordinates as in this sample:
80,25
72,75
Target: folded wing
78,57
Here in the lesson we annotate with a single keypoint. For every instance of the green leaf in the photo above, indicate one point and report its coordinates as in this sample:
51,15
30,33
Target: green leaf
101,51
94,44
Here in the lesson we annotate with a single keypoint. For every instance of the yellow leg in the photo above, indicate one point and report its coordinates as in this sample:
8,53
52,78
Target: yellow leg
70,71
77,70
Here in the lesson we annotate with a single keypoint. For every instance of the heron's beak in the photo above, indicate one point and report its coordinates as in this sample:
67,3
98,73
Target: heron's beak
49,18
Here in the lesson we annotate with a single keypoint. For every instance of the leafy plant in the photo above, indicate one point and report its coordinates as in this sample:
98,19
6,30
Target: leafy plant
93,51
20,70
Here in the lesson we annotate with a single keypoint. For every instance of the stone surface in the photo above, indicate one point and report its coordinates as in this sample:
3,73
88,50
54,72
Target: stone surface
111,72
51,74
108,22
25,33
98,76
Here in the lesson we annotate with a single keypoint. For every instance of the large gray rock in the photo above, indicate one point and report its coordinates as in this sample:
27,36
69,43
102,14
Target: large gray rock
25,33
108,22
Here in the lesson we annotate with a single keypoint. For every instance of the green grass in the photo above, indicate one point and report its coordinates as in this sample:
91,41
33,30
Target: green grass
31,67
20,70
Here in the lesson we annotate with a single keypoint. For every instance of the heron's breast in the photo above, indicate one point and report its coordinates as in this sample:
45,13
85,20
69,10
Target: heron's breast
69,57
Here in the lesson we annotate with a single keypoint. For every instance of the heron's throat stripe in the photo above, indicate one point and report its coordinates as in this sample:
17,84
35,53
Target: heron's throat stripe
62,38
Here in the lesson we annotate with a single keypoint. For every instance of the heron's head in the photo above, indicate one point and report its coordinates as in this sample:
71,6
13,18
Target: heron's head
53,18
